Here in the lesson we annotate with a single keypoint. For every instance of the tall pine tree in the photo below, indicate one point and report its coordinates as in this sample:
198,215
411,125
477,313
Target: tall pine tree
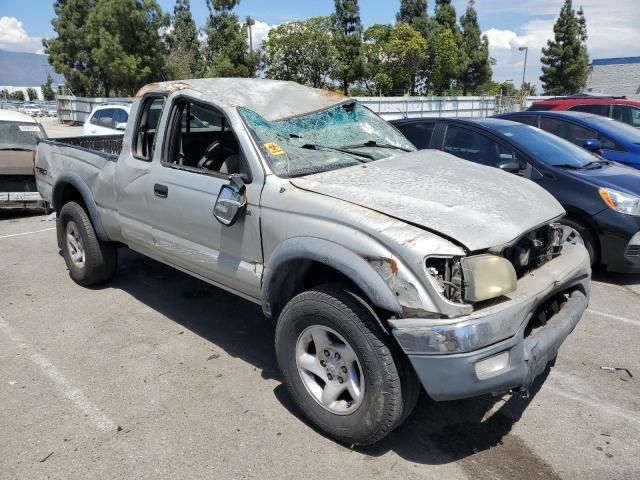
227,51
443,42
184,59
348,34
475,68
565,61
414,12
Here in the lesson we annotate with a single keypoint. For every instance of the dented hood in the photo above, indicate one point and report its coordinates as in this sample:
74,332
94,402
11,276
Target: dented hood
477,206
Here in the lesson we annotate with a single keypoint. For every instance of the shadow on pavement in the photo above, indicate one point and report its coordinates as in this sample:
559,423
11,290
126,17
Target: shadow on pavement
622,279
436,433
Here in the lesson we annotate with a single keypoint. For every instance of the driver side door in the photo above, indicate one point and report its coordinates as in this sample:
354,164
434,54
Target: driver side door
199,153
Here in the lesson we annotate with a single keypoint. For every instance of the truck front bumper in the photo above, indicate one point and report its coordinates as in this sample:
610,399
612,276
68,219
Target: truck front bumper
504,346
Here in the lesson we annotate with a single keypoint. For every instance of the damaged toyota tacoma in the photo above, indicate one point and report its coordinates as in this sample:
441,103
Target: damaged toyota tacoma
388,270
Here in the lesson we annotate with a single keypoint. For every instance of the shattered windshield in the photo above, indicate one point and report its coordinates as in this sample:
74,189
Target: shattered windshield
341,136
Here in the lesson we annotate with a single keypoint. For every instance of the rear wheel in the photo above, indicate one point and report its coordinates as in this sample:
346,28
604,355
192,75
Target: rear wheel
340,367
89,260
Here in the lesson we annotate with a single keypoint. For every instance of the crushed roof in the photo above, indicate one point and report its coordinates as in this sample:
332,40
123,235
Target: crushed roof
271,99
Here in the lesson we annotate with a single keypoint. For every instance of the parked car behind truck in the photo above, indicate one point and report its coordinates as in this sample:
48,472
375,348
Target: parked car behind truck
18,135
602,198
386,268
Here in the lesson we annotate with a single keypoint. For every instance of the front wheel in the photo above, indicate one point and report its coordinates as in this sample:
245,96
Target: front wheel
89,260
340,368
582,234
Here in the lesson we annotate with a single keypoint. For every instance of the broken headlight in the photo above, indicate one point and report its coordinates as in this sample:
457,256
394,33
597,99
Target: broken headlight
471,279
445,274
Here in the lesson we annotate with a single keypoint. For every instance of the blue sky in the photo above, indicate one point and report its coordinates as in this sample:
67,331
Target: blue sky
509,25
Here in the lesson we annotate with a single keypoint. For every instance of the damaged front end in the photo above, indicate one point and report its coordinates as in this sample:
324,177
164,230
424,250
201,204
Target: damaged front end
489,275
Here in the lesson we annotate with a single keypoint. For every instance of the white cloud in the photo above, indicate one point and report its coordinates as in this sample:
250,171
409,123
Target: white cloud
259,32
14,37
612,33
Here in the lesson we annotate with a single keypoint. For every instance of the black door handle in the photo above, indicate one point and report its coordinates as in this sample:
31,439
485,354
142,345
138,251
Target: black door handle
160,190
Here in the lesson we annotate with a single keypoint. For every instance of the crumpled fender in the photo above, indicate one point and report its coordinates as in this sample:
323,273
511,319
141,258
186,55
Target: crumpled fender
354,267
75,180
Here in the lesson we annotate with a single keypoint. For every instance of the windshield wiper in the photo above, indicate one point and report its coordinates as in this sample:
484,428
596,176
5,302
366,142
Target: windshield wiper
373,143
16,149
570,166
315,146
596,162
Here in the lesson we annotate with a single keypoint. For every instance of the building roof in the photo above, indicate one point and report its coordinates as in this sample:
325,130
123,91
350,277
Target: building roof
271,99
615,61
13,116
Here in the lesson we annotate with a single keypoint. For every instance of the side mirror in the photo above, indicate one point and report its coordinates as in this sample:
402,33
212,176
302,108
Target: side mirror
510,166
592,144
121,126
231,202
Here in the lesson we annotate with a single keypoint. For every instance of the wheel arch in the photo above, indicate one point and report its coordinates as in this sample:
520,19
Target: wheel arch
301,262
70,187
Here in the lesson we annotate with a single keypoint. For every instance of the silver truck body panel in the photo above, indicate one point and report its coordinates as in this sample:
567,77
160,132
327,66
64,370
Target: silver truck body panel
480,207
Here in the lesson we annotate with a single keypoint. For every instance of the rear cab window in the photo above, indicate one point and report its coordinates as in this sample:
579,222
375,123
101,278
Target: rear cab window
144,136
541,107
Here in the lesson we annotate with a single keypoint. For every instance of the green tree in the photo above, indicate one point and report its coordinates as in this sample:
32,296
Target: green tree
126,49
475,63
111,46
565,61
184,59
47,89
68,52
227,50
17,95
393,57
445,62
32,94
348,39
445,16
415,13
301,51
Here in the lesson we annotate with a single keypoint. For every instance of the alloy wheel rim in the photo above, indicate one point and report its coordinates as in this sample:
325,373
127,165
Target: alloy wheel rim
330,370
75,246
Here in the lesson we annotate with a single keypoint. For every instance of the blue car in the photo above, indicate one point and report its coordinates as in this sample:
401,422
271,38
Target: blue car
611,139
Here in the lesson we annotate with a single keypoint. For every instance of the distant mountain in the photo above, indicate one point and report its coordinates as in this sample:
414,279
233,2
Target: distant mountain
19,69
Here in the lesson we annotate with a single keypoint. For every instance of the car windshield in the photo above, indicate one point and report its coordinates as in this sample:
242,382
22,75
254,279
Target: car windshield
613,127
546,147
18,135
341,136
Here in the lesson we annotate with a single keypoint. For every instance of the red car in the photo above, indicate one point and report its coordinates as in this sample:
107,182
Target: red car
618,108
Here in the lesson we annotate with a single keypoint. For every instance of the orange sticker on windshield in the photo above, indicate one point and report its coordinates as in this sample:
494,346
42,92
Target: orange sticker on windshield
274,148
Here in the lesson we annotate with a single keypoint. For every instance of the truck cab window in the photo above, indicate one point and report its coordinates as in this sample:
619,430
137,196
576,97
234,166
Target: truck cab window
146,128
202,139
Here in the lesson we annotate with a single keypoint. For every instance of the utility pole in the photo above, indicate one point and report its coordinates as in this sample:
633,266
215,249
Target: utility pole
524,70
250,23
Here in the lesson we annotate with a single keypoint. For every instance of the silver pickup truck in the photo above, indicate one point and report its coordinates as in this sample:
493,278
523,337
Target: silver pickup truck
387,269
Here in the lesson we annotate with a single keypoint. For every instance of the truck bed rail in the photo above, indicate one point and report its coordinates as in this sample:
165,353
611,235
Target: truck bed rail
108,146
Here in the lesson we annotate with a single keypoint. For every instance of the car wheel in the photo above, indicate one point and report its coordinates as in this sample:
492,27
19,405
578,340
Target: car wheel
89,260
341,369
582,234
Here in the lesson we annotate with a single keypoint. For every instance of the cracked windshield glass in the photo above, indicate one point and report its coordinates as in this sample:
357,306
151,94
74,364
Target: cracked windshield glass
341,136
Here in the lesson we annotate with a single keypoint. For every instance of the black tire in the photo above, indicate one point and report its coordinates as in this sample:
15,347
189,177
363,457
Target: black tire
100,258
587,237
391,386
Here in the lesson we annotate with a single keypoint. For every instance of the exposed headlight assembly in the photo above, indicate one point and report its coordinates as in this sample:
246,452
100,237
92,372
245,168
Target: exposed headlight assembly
472,279
487,276
620,202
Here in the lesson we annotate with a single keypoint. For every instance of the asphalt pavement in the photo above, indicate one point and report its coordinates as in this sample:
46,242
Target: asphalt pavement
159,375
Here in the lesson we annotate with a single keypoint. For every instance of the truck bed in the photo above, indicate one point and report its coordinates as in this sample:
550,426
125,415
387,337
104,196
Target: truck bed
108,146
